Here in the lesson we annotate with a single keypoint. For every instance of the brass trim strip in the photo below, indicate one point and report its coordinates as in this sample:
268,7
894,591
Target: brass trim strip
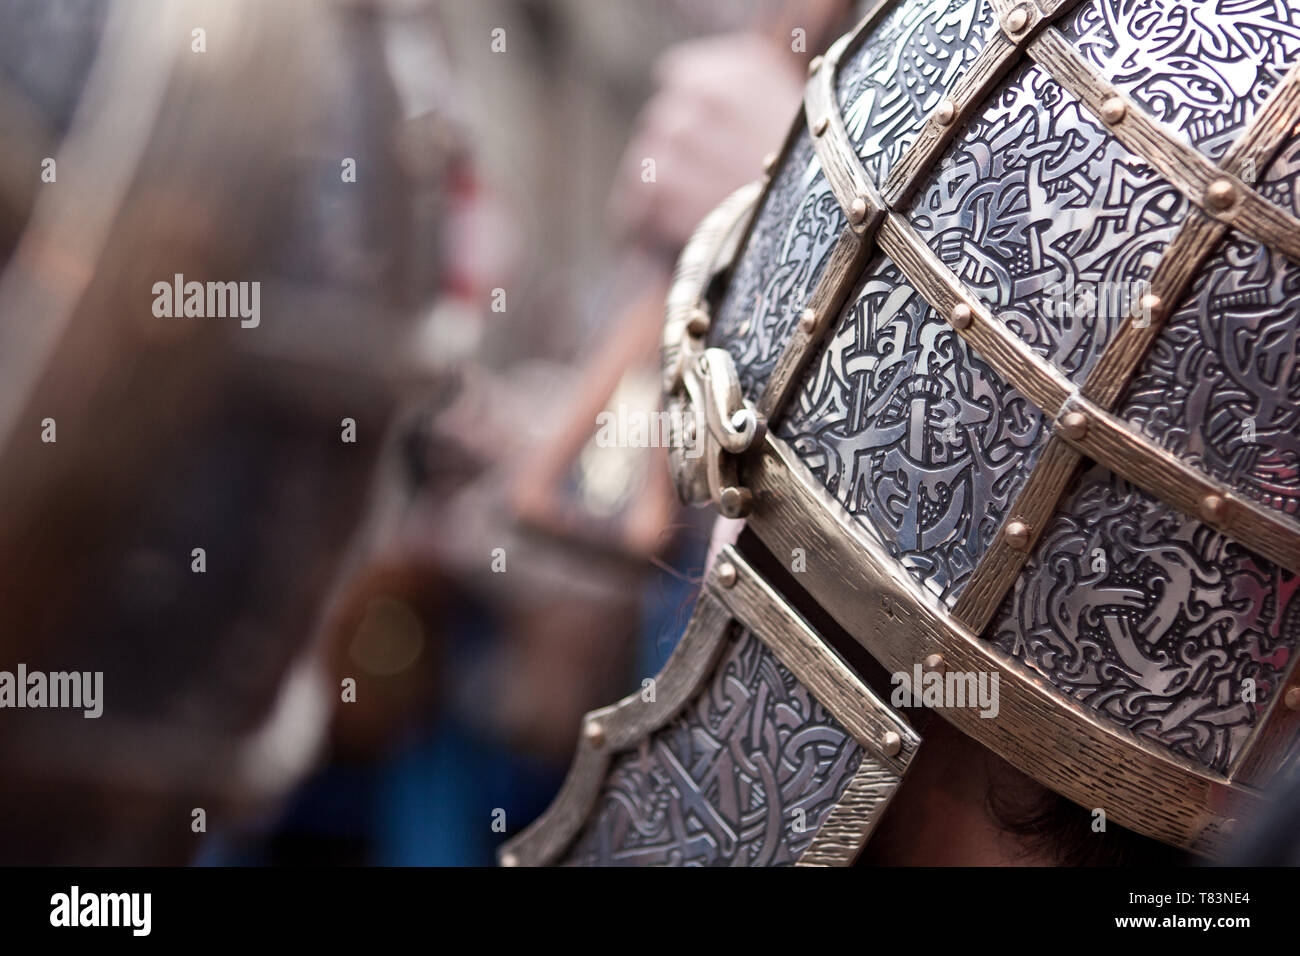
1218,192
619,727
847,826
1268,129
1152,791
1002,52
1274,743
1038,380
733,592
1105,438
1063,745
1119,447
863,205
1191,245
1267,753
847,260
1033,508
856,194
993,63
826,299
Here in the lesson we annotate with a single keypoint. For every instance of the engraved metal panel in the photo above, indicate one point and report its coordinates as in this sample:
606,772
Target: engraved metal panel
787,250
897,77
1221,385
1153,619
1046,217
1202,67
743,777
887,88
912,433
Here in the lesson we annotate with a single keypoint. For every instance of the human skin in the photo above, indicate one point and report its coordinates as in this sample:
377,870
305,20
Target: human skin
722,104
940,815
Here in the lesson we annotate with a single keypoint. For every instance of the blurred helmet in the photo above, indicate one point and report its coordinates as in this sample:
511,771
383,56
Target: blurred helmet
178,500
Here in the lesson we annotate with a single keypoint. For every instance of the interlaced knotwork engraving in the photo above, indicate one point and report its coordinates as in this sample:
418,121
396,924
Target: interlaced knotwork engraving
1154,620
891,85
1048,219
791,241
743,777
1052,223
912,433
1200,68
1221,386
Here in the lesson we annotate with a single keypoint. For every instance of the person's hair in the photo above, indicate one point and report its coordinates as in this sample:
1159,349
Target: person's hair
1049,824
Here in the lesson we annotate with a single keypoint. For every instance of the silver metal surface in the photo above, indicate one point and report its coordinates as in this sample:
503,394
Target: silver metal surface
1048,219
758,746
720,784
1153,619
913,433
1056,227
791,242
901,72
1034,180
1201,68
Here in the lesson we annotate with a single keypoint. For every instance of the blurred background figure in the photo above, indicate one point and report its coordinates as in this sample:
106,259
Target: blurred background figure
182,493
601,133
462,217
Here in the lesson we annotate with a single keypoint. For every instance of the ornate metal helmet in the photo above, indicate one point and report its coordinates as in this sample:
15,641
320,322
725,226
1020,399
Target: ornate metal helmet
1002,360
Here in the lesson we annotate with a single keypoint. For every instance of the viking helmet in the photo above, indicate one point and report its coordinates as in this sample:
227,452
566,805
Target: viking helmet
1000,360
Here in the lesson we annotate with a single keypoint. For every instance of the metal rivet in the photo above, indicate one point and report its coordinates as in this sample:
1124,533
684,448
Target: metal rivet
735,502
594,733
807,320
726,574
934,662
1113,109
858,210
1149,304
1229,827
1221,194
814,65
769,164
891,743
944,113
1017,535
1074,425
1292,698
698,323
509,859
1017,20
820,128
961,316
1214,508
